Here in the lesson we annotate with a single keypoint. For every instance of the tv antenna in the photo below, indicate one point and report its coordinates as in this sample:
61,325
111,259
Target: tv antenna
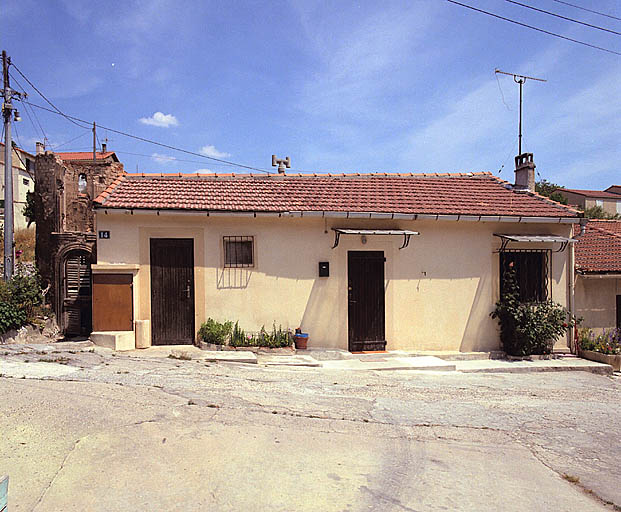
520,79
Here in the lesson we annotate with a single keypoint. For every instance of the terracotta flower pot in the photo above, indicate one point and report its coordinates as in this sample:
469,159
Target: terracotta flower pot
301,341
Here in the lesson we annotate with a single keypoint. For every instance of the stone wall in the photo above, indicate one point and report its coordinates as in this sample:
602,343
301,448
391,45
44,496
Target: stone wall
64,215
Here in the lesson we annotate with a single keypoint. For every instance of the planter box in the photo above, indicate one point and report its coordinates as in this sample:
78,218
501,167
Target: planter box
612,360
273,350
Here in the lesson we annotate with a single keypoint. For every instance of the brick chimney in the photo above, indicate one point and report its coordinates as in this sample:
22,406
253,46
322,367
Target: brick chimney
525,172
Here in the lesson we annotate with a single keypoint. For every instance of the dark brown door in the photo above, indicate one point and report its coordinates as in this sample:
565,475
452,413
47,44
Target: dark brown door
76,300
618,311
365,270
112,302
172,291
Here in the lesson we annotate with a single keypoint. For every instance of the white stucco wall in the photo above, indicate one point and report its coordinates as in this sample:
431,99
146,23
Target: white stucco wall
596,301
439,291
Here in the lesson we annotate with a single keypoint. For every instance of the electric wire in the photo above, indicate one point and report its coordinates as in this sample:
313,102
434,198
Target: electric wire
142,139
563,17
56,146
534,28
29,109
588,10
168,158
48,101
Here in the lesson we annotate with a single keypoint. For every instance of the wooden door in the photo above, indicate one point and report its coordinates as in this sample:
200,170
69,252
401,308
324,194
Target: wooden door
172,291
76,294
618,311
113,306
366,305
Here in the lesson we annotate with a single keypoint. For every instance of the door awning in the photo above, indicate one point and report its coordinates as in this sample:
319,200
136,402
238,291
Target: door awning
394,232
564,241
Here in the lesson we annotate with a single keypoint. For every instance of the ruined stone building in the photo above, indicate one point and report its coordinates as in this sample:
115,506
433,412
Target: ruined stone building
66,239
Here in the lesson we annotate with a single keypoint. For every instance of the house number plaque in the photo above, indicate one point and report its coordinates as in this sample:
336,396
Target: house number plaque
104,234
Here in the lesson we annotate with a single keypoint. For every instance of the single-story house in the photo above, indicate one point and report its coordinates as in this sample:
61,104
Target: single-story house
359,261
608,200
598,275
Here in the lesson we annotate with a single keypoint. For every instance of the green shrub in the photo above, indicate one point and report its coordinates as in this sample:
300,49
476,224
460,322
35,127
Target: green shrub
277,338
528,328
215,332
20,299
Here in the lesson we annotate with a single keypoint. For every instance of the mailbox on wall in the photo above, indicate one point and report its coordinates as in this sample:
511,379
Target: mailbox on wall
324,269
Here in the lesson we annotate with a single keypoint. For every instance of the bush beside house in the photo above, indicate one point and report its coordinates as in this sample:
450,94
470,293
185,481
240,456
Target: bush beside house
20,300
528,328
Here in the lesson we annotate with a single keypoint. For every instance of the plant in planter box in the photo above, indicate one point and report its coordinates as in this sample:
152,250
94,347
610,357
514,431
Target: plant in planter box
528,328
215,332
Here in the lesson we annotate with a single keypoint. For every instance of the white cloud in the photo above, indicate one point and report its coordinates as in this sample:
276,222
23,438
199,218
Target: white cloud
160,159
213,152
160,119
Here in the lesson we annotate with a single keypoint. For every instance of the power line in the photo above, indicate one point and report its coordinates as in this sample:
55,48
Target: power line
534,28
45,98
151,141
34,114
167,158
564,17
69,141
588,10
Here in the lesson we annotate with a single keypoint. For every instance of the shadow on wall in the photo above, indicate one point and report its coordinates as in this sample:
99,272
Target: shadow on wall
321,316
471,338
233,278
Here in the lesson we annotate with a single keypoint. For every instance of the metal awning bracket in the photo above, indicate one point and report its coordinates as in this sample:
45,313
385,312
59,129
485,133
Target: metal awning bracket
337,237
366,232
563,241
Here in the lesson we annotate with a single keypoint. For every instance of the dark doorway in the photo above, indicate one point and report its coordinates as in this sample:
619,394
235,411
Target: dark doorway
172,291
365,271
618,311
76,294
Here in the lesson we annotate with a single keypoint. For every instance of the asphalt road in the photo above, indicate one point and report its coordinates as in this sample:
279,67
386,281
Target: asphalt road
104,432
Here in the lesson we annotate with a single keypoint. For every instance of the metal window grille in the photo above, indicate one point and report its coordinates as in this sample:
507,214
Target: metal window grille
532,273
238,251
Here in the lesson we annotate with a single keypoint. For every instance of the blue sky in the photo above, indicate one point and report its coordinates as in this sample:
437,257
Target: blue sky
337,86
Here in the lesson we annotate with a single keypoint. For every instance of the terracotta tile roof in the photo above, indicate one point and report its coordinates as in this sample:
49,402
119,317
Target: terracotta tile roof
599,194
86,155
445,194
599,249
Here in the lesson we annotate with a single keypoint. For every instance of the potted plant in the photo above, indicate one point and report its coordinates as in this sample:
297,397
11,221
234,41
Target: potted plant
301,339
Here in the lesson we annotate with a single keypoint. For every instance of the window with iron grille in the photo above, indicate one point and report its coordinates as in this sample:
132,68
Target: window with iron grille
238,251
531,273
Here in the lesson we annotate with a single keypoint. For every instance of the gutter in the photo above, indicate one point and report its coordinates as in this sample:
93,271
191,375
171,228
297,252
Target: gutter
345,215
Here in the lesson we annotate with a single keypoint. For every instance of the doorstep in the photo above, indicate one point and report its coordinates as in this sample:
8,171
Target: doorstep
549,365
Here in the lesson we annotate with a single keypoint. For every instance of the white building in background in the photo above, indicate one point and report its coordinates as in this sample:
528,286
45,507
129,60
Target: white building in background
23,182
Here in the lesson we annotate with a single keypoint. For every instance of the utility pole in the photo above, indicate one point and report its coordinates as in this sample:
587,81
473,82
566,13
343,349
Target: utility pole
94,141
520,79
7,113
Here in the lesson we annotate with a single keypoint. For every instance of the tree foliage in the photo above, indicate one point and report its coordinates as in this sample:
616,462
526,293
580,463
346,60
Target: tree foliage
549,189
598,212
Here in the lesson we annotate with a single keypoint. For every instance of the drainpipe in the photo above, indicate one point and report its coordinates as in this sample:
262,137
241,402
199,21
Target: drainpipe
573,345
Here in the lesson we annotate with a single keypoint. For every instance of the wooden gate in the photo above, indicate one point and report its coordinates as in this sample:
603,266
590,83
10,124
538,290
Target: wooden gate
76,294
365,270
172,291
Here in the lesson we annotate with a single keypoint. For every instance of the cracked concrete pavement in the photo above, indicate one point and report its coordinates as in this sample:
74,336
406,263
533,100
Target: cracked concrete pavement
96,431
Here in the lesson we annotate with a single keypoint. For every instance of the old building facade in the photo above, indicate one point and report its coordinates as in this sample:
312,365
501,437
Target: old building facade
66,237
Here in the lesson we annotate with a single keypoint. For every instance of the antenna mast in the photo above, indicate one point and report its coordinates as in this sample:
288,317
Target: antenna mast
520,79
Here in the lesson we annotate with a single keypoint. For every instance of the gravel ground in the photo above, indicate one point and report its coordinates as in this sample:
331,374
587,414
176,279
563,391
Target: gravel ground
569,422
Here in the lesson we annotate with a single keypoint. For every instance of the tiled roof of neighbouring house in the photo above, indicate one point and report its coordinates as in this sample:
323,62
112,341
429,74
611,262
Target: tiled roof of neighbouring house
86,155
599,194
442,194
599,249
